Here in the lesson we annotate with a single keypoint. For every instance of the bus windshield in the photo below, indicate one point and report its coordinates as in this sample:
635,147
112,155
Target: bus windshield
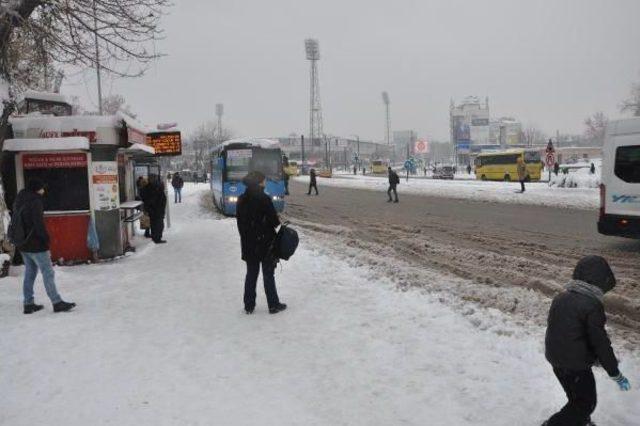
531,157
237,165
268,162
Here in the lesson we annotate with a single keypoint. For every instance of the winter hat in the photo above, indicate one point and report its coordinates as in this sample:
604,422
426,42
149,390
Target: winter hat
35,184
253,179
596,271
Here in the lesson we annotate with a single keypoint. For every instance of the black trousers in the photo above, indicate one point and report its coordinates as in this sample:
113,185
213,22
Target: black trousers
580,387
314,186
286,187
251,279
395,192
157,227
522,185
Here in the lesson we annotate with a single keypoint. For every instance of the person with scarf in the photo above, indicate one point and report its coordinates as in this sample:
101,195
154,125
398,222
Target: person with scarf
576,340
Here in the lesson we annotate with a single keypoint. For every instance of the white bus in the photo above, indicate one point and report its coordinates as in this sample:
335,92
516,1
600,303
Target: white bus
620,188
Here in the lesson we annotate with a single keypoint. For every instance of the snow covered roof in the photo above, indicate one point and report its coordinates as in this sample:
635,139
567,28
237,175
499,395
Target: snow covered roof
141,148
82,123
261,143
44,96
46,144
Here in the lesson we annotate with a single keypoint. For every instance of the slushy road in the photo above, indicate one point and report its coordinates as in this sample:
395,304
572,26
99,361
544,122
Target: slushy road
491,244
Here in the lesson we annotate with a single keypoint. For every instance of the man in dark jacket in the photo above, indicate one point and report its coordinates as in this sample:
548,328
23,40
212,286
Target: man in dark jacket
28,211
576,339
155,204
177,182
312,181
257,221
394,180
285,173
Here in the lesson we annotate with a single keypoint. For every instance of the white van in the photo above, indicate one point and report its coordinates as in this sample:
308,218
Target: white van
620,188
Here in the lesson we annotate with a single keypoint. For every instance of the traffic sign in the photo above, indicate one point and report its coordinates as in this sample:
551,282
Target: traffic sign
551,159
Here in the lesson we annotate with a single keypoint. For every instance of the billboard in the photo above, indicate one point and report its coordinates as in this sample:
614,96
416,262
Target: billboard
421,147
461,129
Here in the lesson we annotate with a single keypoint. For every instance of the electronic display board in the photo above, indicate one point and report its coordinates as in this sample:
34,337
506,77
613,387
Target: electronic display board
165,143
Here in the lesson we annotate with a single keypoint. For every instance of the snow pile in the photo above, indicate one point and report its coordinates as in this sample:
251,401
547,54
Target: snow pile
537,193
579,176
160,338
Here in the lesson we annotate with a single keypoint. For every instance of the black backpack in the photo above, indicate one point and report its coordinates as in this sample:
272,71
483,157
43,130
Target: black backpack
16,233
286,242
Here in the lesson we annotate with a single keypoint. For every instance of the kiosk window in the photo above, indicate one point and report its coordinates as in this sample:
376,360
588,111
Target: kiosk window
65,177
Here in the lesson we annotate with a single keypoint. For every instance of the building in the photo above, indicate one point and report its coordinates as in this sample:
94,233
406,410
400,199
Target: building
505,132
469,126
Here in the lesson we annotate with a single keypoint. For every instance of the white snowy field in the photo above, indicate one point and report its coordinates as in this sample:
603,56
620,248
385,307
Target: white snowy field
538,193
160,337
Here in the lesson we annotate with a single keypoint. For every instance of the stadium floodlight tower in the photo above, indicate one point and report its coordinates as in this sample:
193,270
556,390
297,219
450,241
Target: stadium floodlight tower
385,99
315,113
219,112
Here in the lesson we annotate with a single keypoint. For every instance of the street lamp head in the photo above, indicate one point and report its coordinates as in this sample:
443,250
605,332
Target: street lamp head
385,98
312,49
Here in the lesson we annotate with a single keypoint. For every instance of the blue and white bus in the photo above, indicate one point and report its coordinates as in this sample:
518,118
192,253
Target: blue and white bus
233,159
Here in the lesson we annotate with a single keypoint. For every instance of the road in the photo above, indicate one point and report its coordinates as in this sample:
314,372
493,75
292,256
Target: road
490,244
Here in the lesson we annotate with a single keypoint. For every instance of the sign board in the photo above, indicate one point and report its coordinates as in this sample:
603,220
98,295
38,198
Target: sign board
421,147
165,143
550,159
54,161
239,153
105,185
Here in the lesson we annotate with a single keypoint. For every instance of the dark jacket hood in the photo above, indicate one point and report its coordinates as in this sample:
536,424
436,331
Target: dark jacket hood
26,196
596,271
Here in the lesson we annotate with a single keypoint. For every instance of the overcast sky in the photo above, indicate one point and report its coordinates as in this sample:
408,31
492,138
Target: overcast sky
546,62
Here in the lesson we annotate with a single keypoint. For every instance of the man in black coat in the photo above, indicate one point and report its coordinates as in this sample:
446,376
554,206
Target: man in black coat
394,180
257,221
312,181
177,183
576,340
28,215
155,204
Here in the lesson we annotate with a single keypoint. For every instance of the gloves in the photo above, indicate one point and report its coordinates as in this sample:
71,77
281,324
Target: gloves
623,382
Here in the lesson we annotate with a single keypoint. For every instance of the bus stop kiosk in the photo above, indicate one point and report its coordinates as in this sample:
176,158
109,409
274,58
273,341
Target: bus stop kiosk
87,165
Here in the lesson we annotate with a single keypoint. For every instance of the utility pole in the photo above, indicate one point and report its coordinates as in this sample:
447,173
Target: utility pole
95,33
302,169
219,112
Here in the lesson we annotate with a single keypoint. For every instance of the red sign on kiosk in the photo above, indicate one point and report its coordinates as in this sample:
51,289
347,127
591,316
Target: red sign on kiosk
54,161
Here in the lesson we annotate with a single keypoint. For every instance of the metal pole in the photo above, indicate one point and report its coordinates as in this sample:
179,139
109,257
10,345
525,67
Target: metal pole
95,33
358,162
302,152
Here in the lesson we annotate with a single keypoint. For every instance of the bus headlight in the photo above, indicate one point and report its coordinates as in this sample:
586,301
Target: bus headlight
232,199
276,198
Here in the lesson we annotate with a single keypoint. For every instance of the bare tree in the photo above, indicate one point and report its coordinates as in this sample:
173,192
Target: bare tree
532,135
116,103
596,125
632,103
205,138
71,32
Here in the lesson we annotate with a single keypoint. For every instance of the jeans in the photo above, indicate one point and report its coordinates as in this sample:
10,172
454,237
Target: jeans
251,279
522,185
177,195
395,192
580,387
33,262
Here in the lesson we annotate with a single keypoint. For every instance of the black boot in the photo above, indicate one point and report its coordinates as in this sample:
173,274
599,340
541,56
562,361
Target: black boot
63,306
277,308
31,308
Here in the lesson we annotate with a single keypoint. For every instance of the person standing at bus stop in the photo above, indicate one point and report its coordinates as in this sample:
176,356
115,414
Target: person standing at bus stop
30,236
257,221
394,180
155,203
522,172
177,183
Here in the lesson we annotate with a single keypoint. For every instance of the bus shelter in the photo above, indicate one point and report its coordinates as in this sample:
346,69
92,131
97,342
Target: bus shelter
88,166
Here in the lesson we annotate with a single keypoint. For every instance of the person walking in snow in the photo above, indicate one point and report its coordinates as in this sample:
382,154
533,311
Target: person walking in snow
394,180
257,221
592,169
312,181
522,172
556,168
32,239
468,169
177,183
155,204
285,173
576,340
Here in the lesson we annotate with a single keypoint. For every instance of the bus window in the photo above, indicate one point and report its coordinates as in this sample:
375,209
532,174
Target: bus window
531,157
268,162
238,161
627,165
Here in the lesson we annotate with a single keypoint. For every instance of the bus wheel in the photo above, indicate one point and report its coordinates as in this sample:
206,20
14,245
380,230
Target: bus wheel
483,177
507,178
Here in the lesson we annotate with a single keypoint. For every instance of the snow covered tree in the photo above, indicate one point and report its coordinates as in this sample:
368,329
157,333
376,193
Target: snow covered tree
115,103
596,125
71,32
632,103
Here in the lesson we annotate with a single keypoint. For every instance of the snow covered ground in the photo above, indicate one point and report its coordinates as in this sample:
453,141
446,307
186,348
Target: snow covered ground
538,193
160,337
